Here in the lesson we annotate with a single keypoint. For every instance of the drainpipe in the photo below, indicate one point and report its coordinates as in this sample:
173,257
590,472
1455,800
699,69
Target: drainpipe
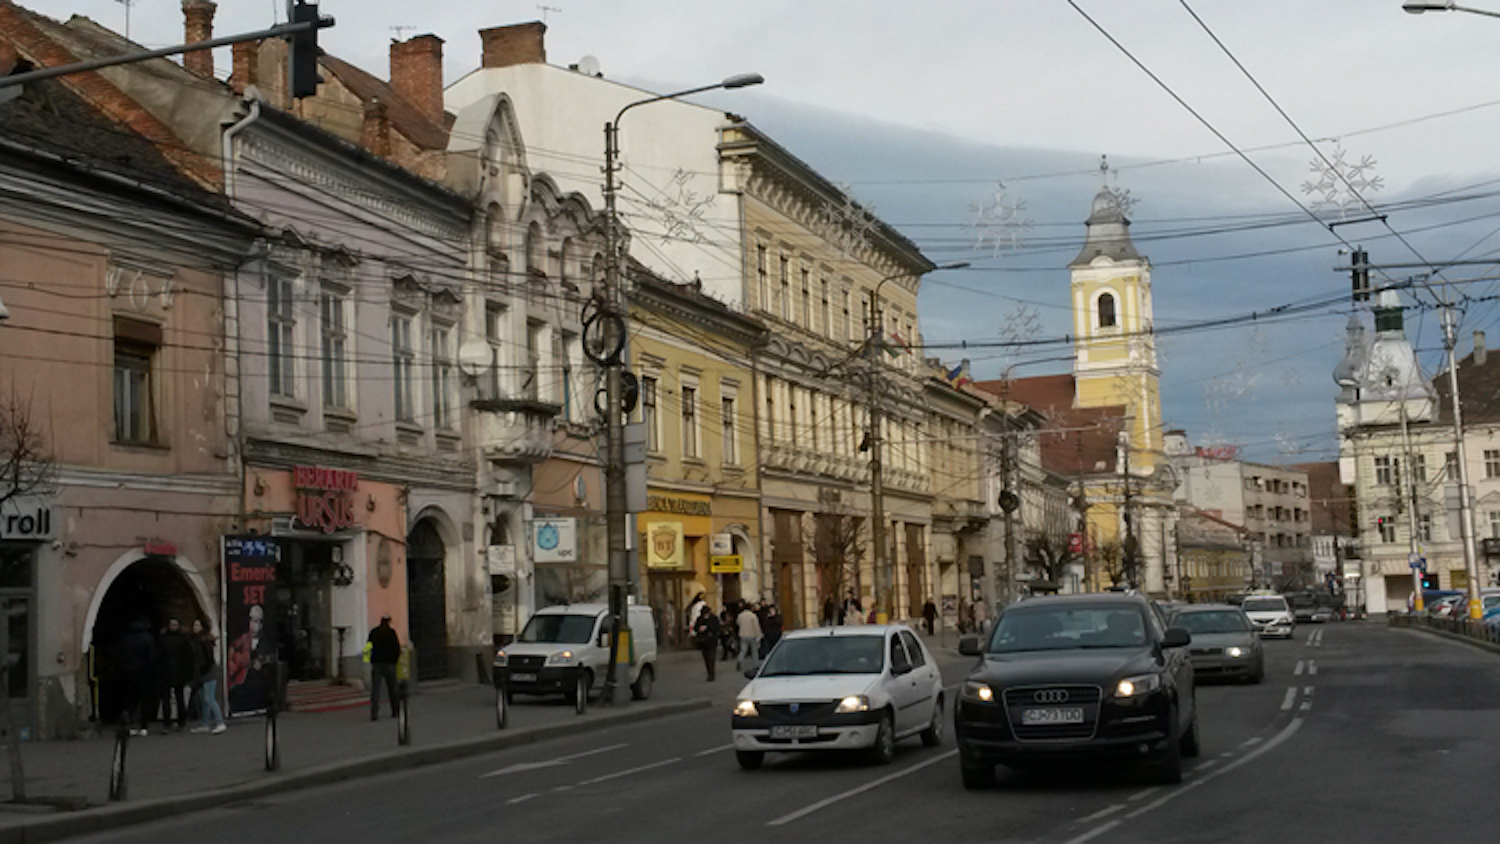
234,422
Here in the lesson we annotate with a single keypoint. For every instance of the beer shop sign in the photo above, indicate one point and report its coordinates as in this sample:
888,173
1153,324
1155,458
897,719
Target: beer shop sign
325,498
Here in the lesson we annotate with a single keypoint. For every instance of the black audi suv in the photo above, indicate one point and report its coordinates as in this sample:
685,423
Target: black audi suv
1075,676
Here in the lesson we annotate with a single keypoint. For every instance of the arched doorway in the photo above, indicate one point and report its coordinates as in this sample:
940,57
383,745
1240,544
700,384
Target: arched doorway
152,590
427,599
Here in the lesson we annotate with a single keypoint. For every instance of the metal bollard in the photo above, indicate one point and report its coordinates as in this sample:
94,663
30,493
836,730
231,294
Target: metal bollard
273,743
117,783
403,724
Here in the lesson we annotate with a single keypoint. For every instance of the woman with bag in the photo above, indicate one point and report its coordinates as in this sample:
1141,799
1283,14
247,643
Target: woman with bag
206,681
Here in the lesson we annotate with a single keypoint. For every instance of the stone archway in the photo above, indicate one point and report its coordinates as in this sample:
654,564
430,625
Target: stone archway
150,589
427,598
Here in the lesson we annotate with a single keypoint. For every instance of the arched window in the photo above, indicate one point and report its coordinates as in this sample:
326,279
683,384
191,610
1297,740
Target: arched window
1107,310
536,251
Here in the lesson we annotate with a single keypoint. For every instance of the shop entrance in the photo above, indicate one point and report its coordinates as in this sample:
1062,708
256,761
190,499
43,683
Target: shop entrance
149,592
427,600
304,580
16,609
669,593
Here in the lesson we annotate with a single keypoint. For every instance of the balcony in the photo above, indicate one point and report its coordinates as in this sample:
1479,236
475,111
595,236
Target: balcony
514,430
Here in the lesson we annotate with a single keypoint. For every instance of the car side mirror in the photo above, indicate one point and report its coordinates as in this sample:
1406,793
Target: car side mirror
751,672
900,666
969,645
1176,637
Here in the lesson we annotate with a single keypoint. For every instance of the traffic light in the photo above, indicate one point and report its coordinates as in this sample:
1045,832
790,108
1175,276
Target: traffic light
1429,581
1359,274
302,58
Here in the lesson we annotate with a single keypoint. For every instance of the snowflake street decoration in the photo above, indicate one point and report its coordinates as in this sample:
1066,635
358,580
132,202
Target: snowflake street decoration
680,209
1289,443
845,223
1340,185
1001,223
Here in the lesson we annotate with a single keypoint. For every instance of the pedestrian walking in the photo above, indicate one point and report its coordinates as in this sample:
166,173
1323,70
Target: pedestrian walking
929,616
137,658
694,610
175,673
706,635
748,625
830,612
770,628
729,642
385,651
854,611
206,669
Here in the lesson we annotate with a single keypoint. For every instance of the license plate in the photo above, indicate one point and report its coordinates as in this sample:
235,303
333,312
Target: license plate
794,731
523,678
1053,715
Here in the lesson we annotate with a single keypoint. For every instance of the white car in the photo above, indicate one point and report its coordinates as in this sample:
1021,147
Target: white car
1270,614
840,688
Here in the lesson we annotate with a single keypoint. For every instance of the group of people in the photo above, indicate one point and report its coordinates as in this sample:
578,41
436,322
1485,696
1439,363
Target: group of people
168,674
743,630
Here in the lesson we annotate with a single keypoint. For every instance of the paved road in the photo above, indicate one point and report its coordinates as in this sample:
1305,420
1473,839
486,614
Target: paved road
1360,733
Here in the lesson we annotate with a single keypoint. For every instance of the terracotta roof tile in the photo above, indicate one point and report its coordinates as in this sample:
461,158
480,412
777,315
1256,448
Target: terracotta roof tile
404,117
1084,440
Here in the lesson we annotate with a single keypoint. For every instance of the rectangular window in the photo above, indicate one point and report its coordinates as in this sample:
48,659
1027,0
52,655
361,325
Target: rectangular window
770,409
824,326
807,299
762,279
136,346
331,307
442,377
494,330
531,377
1494,518
1426,527
1491,463
784,307
1387,528
846,328
727,421
689,421
571,352
404,359
1385,471
281,323
1419,468
814,438
1450,466
649,416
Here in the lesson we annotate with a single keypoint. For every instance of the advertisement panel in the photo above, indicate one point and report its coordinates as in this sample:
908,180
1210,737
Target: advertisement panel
664,545
249,614
554,540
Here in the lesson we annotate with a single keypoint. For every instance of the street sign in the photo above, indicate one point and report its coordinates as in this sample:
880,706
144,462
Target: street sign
726,563
1416,561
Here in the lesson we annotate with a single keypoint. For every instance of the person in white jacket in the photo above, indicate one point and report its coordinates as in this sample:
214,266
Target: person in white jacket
694,610
748,624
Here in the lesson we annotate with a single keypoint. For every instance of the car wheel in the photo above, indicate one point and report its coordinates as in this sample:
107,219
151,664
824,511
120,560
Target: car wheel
1260,671
641,688
975,775
580,693
502,709
1169,766
883,752
1188,744
750,759
933,735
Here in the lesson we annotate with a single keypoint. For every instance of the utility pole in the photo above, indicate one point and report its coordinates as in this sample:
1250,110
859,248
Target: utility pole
1406,481
1127,545
1465,499
877,480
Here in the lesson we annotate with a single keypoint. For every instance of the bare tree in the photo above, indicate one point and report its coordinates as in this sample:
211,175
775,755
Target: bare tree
26,464
838,541
1048,554
1110,562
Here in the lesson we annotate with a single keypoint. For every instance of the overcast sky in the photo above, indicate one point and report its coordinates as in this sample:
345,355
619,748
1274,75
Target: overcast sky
924,107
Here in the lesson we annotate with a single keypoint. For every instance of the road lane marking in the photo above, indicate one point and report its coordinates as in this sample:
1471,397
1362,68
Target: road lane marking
522,799
1287,732
825,803
1291,697
1312,668
713,750
563,788
549,763
1298,670
1306,705
630,771
1101,814
1203,766
1094,833
1140,795
1308,691
1251,741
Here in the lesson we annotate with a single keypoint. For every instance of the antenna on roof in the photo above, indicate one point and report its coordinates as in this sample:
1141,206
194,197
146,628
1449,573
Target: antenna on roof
546,9
400,29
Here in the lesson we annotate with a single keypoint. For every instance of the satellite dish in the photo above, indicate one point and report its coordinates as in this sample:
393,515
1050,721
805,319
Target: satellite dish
589,66
474,357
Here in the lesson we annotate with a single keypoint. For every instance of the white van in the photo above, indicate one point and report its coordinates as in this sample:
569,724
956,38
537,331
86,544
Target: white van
1270,614
565,650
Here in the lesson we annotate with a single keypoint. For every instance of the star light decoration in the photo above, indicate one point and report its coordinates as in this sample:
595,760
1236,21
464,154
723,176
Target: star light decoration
1001,223
1242,382
1341,184
680,209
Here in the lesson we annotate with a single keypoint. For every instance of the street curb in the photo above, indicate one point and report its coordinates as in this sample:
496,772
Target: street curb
104,818
1456,637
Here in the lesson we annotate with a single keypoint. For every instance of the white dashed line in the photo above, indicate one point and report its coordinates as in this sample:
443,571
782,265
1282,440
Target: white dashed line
1312,668
1141,795
1291,698
713,750
522,799
1101,814
1298,670
1094,833
1307,691
627,772
822,804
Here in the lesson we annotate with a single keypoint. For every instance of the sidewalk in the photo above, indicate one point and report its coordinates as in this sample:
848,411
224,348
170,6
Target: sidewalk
182,772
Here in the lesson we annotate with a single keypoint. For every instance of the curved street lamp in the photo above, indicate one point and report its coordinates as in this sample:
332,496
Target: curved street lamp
613,301
1419,8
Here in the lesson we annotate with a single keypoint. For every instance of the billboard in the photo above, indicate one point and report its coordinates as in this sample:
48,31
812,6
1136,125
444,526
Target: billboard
250,675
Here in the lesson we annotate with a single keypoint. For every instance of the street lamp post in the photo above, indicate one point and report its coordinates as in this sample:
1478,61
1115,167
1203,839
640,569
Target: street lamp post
1419,8
613,302
873,331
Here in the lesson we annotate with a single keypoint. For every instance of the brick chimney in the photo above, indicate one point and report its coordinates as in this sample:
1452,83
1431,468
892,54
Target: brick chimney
375,134
246,70
198,21
417,74
1479,350
520,43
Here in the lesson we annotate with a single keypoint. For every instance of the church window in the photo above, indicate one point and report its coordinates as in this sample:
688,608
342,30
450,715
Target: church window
1107,310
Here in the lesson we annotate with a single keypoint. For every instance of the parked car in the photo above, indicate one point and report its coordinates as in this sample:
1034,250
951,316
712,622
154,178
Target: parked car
860,687
1225,643
1074,677
565,650
1449,606
1270,614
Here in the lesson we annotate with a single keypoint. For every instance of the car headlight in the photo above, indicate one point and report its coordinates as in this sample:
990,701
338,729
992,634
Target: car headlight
501,659
1236,652
853,703
978,692
1142,684
560,658
745,709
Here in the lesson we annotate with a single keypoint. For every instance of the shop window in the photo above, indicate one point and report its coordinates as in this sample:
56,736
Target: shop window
136,347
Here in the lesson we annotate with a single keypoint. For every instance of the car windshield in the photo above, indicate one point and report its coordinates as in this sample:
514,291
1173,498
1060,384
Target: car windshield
1067,628
560,629
1264,605
1212,621
826,655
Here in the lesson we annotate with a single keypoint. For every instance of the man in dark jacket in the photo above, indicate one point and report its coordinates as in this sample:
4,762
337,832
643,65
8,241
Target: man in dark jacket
136,667
706,634
385,651
175,673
